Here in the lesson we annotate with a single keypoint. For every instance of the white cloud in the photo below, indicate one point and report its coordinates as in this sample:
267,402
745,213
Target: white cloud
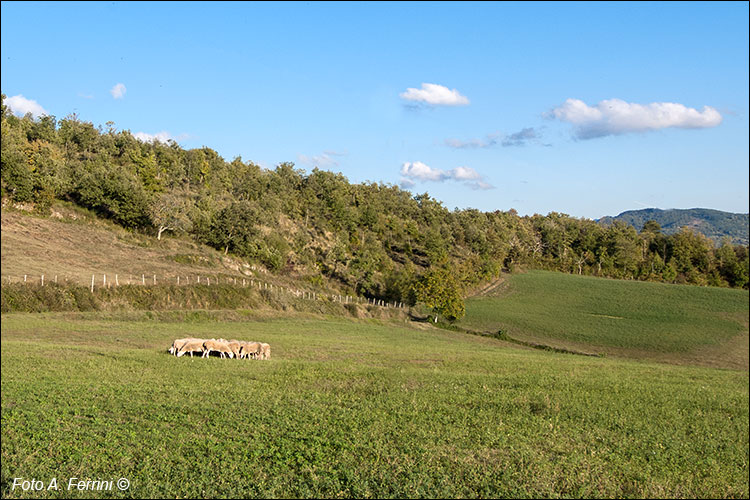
407,184
488,142
19,105
118,91
422,172
162,136
465,174
615,117
480,185
435,95
325,159
520,138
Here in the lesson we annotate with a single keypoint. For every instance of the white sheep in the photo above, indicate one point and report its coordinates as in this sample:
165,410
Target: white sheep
265,351
236,347
217,345
195,345
177,344
249,350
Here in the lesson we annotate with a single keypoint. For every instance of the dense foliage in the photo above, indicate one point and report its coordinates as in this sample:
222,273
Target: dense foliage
374,239
714,224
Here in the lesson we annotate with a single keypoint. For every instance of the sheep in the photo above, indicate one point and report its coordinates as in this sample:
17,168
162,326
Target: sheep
216,345
231,348
177,344
235,346
265,351
191,346
250,350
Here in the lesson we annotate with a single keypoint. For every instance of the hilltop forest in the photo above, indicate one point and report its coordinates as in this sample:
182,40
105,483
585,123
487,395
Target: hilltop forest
371,239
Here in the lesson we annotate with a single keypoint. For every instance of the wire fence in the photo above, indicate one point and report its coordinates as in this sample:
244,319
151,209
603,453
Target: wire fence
103,280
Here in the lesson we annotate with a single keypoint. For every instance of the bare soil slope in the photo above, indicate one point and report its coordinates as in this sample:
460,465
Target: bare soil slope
74,245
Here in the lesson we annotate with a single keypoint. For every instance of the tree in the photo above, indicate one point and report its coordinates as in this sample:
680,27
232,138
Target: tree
730,266
113,192
651,226
440,291
169,213
233,228
17,177
691,255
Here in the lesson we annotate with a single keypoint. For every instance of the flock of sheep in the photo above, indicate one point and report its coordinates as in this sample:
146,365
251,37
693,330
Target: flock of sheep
226,348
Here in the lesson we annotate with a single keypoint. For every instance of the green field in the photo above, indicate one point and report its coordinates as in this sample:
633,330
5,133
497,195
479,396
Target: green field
355,408
675,323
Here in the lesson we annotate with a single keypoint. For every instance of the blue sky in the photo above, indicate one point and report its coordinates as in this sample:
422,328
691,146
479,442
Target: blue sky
588,109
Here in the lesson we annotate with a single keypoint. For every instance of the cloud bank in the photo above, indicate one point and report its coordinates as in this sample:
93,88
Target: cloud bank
418,171
617,117
118,91
19,106
433,94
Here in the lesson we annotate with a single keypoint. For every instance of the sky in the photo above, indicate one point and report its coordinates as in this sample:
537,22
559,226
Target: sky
587,109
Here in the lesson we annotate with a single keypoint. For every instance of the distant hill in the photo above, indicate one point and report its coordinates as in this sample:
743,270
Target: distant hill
714,224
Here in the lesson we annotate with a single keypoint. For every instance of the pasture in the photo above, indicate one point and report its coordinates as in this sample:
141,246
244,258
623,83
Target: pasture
355,408
657,321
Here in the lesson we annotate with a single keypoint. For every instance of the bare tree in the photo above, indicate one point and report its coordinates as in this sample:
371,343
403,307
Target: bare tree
169,213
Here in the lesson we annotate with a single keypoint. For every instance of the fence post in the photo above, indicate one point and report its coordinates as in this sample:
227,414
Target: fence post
154,279
92,283
104,281
42,280
143,278
178,280
55,279
24,278
117,281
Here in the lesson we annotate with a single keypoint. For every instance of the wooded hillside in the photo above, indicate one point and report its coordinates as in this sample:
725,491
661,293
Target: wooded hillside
375,239
714,224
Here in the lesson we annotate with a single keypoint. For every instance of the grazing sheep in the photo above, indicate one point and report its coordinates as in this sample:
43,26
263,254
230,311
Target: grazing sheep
217,345
265,351
226,348
235,346
177,344
250,350
191,346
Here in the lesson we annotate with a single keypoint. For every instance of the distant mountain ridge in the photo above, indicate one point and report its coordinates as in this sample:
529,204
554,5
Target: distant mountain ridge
713,224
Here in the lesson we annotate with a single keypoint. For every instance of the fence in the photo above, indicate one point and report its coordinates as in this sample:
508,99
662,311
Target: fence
116,280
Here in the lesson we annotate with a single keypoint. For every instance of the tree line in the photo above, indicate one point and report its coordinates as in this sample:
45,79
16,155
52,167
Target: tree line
373,239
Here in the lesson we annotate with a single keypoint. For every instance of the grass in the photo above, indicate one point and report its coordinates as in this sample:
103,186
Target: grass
355,408
634,319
